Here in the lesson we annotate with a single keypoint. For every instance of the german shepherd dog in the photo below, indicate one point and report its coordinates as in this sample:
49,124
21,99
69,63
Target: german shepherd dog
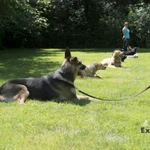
58,85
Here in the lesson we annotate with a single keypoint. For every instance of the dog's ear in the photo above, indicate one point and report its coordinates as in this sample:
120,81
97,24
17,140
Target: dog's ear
67,53
73,59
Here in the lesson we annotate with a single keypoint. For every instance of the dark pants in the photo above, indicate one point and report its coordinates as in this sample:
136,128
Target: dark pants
125,44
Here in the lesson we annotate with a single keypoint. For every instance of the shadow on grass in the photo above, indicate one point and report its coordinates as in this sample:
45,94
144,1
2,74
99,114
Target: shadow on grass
143,50
106,50
83,103
80,103
94,50
27,63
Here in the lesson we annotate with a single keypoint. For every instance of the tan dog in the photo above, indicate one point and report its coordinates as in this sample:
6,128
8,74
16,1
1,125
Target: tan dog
114,61
90,70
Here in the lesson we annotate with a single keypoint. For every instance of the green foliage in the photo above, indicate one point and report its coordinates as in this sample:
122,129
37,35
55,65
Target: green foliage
38,125
73,23
22,25
140,22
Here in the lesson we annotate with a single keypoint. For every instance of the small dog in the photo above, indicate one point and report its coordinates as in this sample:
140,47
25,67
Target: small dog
58,85
90,70
131,53
114,61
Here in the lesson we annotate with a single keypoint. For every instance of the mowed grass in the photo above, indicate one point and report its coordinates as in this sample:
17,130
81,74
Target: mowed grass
96,125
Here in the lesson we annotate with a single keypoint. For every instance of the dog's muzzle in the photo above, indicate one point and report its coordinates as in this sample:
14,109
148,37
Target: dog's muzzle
82,67
104,68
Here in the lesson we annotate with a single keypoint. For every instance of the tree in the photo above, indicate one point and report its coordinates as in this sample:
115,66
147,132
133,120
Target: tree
73,23
21,24
140,18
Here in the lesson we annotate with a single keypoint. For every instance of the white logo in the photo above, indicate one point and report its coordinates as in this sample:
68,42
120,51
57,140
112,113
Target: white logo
144,128
145,124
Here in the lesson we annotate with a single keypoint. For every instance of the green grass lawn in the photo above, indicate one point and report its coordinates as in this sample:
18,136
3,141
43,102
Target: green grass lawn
97,125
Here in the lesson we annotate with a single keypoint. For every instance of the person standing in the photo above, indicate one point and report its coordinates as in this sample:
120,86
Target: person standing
126,36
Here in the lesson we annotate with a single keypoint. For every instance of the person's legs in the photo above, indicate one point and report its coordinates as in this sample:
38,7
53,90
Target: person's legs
125,44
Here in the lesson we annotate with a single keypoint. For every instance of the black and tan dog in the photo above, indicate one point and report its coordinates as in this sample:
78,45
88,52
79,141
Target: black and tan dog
58,85
131,53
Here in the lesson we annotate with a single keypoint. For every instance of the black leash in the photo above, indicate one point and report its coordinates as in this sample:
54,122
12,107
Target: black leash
105,99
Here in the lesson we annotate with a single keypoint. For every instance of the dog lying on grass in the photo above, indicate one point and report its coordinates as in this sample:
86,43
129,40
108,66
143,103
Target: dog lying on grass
58,85
131,53
114,61
90,70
